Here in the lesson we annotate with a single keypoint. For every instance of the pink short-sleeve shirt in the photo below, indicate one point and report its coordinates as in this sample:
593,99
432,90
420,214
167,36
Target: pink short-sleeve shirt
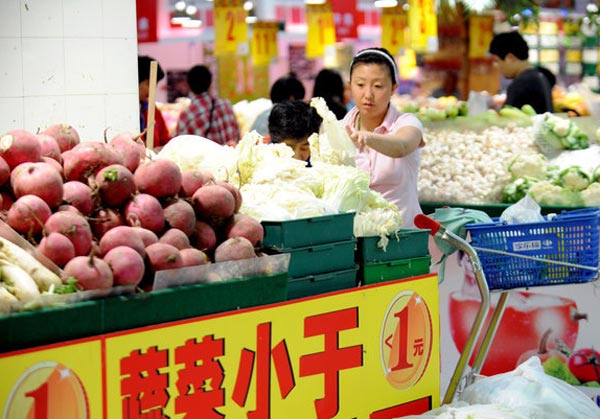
395,178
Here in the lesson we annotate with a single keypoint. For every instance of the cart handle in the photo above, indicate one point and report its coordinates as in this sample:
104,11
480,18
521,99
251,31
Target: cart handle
428,223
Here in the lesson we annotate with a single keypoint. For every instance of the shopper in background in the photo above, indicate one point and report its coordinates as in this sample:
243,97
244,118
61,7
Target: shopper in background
161,132
330,86
285,88
388,142
207,116
449,86
529,85
292,122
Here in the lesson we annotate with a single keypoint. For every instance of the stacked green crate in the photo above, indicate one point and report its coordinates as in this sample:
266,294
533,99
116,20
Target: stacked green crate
321,252
405,255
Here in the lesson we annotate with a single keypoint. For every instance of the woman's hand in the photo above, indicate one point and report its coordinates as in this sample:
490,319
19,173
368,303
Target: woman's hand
359,138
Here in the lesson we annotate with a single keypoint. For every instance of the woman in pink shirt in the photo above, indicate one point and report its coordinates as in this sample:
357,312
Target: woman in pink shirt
388,142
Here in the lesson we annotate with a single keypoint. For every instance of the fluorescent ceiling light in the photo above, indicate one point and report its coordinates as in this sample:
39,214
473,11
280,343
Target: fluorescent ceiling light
315,1
385,3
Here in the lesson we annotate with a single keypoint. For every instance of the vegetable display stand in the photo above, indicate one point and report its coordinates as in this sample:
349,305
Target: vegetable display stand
559,250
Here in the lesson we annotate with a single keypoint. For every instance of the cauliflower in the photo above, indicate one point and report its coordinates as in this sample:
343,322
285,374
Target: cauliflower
529,165
547,193
591,195
517,189
574,178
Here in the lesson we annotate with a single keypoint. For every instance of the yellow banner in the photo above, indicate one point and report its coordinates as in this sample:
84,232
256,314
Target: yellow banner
366,353
481,32
422,21
549,56
231,29
394,29
264,42
321,29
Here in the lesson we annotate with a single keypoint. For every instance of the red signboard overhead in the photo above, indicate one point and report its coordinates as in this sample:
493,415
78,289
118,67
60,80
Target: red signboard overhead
147,20
345,18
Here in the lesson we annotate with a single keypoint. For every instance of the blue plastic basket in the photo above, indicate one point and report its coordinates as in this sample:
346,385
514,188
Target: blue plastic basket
571,237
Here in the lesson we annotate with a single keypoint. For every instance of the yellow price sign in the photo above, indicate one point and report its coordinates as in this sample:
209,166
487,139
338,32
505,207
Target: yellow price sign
481,32
231,29
422,21
394,25
264,42
321,29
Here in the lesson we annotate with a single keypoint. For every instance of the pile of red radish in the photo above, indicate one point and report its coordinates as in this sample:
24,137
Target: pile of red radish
107,215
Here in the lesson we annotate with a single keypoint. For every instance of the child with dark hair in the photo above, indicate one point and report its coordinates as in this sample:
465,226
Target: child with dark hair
530,85
287,87
161,132
292,122
207,116
388,142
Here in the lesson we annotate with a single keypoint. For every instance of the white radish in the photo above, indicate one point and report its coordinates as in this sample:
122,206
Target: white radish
14,254
18,281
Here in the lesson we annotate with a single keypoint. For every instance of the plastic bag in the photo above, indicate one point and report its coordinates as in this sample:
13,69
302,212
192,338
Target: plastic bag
531,392
526,210
461,410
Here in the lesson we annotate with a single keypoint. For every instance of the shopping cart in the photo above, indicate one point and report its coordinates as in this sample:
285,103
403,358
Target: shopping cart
562,249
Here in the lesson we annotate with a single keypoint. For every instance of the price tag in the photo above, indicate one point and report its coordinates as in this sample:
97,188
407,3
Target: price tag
481,32
231,29
321,29
394,34
422,22
264,42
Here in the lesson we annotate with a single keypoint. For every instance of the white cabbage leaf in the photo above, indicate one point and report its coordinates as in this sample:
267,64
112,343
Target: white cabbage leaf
332,145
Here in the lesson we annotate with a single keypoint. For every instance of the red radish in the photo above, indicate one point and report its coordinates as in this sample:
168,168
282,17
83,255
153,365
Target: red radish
57,166
235,191
213,201
144,211
104,219
28,214
121,236
242,225
159,178
203,237
4,171
192,179
67,207
65,135
7,199
115,184
58,248
180,214
175,237
90,272
235,248
49,147
131,148
79,195
148,237
75,227
163,256
39,179
87,158
126,264
193,257
19,146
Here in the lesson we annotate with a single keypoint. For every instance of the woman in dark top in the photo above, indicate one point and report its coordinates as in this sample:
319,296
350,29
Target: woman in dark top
330,86
530,85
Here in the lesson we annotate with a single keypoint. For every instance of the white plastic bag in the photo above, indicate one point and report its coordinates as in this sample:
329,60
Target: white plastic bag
531,392
526,210
461,410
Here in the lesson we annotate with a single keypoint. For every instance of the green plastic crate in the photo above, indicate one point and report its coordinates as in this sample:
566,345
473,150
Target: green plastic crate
321,283
372,273
194,300
304,232
322,258
405,243
94,317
